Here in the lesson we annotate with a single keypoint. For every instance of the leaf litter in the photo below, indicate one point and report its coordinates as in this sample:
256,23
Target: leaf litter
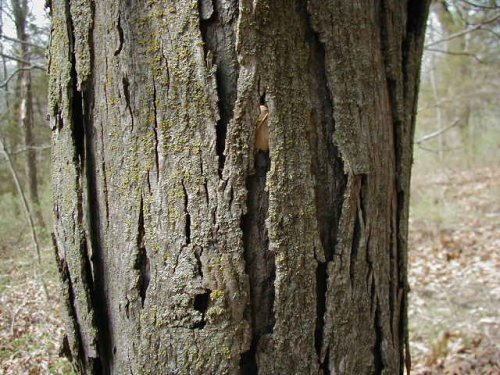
455,275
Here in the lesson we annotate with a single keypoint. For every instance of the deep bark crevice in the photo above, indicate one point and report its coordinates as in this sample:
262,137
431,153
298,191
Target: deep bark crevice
259,261
356,243
141,263
379,336
120,37
358,236
94,230
69,302
104,179
198,253
187,216
328,200
126,93
321,290
78,123
155,131
248,361
81,109
402,134
216,25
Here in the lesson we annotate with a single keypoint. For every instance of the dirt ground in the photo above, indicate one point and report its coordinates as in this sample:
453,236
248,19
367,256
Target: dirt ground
454,276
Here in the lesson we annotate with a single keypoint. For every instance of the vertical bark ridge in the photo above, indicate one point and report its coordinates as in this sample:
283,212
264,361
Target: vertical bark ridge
292,231
81,26
363,102
69,180
75,352
402,27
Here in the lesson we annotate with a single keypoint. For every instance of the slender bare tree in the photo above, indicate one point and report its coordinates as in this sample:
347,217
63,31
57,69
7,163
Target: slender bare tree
20,12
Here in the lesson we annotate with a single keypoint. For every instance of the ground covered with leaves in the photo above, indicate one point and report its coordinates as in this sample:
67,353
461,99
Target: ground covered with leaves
454,276
455,273
30,322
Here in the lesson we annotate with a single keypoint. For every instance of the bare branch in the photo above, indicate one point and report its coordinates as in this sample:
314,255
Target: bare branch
15,40
480,6
6,82
479,26
438,132
13,58
456,53
439,151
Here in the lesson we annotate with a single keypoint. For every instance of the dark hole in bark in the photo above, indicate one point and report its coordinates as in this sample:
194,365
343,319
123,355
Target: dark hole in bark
200,304
262,99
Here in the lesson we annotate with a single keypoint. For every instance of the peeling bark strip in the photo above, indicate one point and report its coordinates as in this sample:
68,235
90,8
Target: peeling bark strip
182,248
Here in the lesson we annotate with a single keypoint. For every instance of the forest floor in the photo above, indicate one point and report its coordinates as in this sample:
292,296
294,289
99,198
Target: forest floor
455,273
454,277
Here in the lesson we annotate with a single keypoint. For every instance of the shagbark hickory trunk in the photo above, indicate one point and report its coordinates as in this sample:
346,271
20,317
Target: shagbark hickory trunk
182,248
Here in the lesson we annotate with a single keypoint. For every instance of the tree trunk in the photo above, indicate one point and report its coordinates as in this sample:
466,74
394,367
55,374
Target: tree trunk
185,250
25,95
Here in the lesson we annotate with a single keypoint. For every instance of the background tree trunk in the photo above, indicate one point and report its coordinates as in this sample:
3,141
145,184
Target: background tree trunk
20,11
183,249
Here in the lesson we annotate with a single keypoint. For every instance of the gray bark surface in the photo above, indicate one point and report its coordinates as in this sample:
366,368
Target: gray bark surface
184,250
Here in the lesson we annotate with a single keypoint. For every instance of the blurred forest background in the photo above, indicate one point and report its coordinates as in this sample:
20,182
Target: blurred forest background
455,209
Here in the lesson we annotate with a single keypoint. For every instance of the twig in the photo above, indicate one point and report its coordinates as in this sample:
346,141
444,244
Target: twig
14,316
456,53
22,42
437,132
6,82
479,5
437,151
463,32
17,59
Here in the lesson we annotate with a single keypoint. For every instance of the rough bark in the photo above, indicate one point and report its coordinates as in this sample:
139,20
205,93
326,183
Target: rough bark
183,249
21,11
